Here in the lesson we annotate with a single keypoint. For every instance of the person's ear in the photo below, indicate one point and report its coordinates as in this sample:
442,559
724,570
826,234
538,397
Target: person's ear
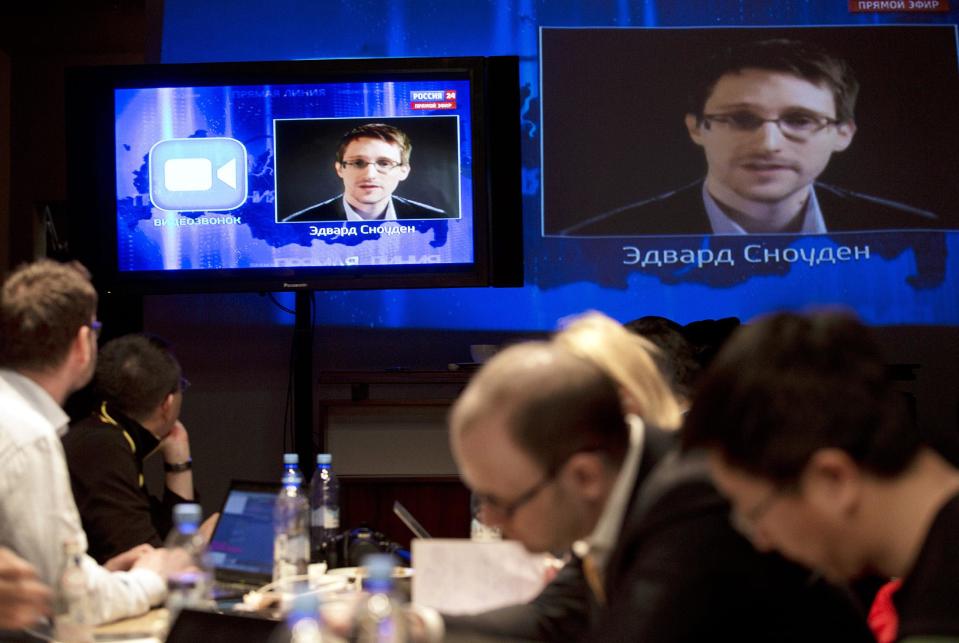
833,481
166,406
585,473
402,172
845,131
694,127
629,403
84,346
338,168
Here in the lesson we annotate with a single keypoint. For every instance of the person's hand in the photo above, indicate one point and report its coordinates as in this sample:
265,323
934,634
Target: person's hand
156,560
551,567
175,446
423,624
123,562
206,529
416,630
338,612
167,562
23,598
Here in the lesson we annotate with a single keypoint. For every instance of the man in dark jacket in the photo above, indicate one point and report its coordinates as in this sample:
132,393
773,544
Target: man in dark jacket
540,437
141,387
817,452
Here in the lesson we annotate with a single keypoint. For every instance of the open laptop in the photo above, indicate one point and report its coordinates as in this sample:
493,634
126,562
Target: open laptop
214,627
411,523
241,547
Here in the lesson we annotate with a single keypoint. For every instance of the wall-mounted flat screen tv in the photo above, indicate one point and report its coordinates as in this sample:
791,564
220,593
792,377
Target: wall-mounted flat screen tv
320,174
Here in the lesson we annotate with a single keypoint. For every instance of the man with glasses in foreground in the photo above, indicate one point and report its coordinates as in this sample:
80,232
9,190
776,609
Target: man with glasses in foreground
372,160
818,455
140,387
540,436
48,349
769,115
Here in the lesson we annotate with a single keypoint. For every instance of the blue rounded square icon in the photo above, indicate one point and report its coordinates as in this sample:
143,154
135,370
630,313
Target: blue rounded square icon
188,174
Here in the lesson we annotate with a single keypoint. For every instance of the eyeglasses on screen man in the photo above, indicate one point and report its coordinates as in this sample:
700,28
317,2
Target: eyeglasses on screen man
797,125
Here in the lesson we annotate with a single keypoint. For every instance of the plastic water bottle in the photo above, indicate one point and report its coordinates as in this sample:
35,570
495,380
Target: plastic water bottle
303,623
479,531
291,468
325,512
189,578
379,619
74,619
291,525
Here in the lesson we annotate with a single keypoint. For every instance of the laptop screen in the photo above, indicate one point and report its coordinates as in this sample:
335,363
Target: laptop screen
211,627
412,523
241,548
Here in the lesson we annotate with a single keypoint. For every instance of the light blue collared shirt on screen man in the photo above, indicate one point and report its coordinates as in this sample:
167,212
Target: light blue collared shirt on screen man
812,222
353,215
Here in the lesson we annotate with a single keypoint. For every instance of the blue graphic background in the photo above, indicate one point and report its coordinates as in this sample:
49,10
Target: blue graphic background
145,116
919,285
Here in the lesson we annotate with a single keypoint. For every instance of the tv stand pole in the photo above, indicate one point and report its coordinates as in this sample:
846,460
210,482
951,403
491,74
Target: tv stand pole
303,382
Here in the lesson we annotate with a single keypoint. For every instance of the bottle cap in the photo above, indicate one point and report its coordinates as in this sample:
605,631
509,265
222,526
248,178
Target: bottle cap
378,566
187,512
324,458
291,458
305,605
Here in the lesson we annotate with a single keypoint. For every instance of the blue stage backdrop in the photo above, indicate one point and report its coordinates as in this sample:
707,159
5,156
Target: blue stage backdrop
583,65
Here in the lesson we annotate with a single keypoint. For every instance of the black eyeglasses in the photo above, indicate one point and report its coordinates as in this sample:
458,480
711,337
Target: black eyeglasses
797,125
505,510
182,385
745,522
96,327
383,166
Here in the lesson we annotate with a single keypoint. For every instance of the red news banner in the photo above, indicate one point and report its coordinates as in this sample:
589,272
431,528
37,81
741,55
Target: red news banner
871,6
433,99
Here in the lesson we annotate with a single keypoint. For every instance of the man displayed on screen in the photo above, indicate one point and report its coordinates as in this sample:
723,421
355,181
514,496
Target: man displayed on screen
372,160
768,115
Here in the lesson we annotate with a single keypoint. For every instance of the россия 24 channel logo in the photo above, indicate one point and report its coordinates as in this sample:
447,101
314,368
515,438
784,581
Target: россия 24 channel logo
433,99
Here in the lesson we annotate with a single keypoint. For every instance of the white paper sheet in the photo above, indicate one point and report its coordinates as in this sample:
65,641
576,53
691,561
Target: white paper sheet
460,576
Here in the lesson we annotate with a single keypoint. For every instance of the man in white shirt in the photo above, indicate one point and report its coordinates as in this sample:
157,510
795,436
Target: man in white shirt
48,348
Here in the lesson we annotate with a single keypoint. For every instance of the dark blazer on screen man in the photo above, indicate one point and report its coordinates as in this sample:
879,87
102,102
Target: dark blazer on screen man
682,212
333,210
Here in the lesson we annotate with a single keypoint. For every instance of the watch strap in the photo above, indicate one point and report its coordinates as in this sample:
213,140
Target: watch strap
179,466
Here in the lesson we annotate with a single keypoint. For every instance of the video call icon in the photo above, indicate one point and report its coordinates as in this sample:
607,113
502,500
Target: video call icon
189,174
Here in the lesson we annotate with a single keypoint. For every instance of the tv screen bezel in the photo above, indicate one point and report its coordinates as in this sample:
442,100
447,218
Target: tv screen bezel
494,113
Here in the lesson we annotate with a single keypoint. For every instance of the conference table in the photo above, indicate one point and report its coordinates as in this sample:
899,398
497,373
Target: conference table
477,572
150,627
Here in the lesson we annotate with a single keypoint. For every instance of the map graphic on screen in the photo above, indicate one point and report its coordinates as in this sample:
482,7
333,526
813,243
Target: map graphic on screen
234,177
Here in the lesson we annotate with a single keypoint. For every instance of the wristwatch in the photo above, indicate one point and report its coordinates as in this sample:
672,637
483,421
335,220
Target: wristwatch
179,466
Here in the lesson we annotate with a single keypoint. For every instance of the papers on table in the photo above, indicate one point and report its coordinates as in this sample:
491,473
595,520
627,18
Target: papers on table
460,576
